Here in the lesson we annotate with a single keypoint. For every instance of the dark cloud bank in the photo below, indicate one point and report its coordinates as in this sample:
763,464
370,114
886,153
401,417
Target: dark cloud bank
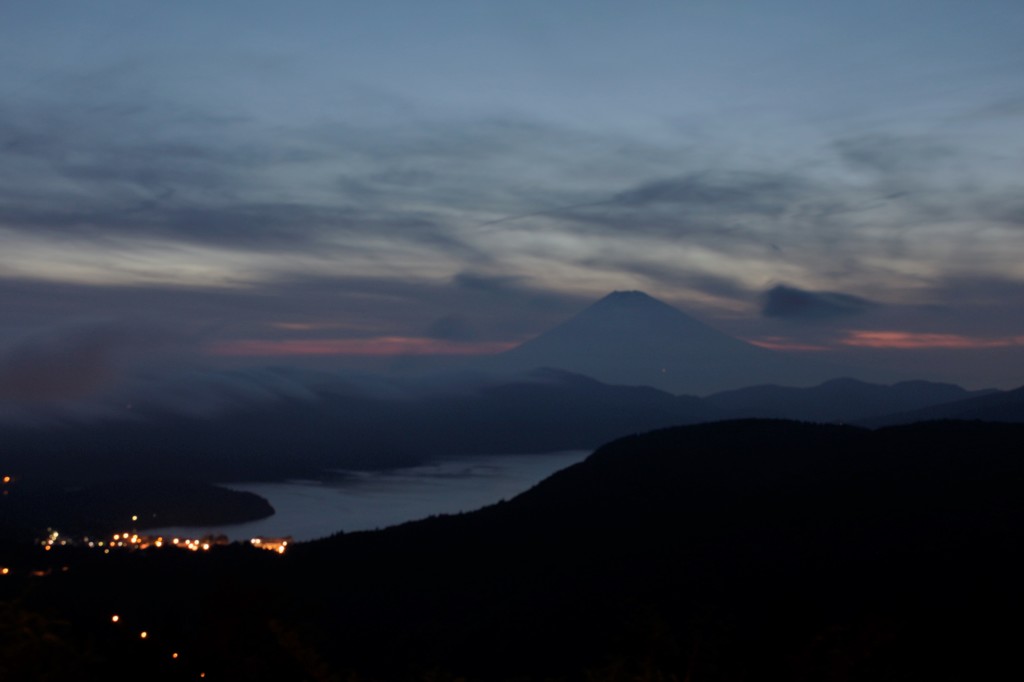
788,302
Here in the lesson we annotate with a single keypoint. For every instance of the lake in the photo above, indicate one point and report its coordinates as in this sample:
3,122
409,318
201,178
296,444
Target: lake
366,500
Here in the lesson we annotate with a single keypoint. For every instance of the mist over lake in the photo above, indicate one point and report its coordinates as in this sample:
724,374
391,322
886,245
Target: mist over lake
366,500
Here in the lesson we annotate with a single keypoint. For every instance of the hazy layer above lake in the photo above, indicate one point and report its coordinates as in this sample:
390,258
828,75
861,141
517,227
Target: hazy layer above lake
306,510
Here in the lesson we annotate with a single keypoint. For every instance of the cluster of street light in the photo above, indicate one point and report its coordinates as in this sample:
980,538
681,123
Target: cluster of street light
134,541
116,619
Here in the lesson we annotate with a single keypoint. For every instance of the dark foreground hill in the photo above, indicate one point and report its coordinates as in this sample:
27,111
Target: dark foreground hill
744,550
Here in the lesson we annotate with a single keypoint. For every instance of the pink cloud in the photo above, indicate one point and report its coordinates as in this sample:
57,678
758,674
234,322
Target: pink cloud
912,340
784,344
381,346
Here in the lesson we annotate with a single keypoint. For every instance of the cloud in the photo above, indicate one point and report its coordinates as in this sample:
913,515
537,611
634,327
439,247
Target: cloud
782,343
916,341
731,206
791,303
382,346
73,362
766,193
487,308
513,292
310,228
131,167
895,155
451,328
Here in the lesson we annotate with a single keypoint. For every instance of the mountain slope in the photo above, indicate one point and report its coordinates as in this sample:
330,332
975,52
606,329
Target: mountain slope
631,338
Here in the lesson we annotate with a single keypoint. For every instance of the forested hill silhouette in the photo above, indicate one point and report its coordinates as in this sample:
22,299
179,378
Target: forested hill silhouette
631,338
736,550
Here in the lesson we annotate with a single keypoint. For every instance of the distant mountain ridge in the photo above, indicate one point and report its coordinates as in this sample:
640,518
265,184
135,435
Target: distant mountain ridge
631,338
838,400
348,425
362,425
1005,406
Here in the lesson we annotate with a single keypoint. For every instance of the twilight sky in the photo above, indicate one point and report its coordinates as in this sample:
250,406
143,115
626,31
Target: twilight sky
203,181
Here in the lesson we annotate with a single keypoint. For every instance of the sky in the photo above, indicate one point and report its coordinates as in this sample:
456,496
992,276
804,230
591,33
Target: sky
194,182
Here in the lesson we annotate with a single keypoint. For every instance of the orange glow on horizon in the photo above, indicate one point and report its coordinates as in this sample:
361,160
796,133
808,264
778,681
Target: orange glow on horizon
890,340
381,346
784,344
912,341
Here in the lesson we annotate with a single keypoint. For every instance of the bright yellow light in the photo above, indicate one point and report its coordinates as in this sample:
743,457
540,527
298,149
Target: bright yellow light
117,536
206,545
134,517
115,618
143,635
7,479
174,655
4,570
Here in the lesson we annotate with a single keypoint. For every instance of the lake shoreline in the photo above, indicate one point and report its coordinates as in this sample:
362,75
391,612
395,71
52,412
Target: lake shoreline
350,501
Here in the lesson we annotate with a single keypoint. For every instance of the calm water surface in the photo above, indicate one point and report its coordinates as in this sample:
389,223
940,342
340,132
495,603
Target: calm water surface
307,510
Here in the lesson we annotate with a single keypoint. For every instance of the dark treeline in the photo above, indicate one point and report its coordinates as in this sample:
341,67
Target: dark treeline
743,550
